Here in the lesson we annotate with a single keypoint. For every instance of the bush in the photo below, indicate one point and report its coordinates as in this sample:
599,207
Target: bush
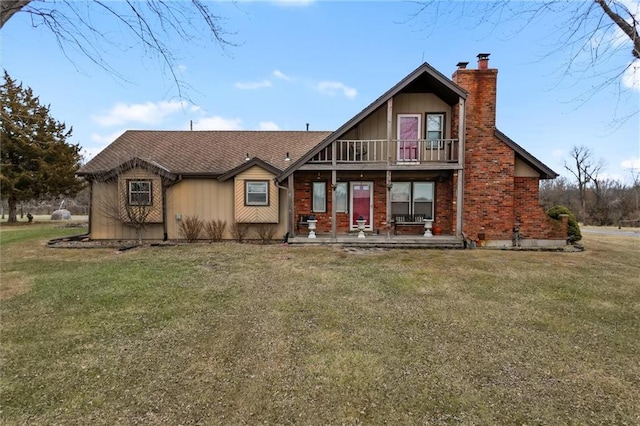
266,233
239,231
191,227
215,229
573,229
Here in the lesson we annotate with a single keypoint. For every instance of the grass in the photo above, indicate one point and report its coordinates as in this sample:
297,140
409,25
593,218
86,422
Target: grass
246,334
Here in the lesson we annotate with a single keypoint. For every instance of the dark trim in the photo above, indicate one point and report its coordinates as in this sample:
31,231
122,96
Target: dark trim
444,122
545,172
424,68
149,181
246,192
246,166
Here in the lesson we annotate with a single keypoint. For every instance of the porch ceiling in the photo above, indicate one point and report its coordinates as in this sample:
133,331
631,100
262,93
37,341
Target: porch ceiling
428,83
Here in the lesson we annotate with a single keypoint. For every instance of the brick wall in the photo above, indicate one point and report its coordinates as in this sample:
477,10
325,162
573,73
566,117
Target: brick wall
494,199
444,192
534,222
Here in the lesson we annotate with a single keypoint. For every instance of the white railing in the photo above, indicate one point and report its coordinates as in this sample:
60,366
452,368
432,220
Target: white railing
398,152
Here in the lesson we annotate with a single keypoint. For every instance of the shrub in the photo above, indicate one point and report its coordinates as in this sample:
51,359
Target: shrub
573,229
191,227
239,231
266,233
215,229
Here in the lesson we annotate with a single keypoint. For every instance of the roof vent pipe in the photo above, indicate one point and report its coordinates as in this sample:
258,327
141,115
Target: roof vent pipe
483,61
462,65
307,127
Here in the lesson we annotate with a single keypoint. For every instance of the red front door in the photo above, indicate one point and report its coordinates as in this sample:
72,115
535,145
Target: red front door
361,203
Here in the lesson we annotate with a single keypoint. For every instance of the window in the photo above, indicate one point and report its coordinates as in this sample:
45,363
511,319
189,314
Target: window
340,197
319,197
412,199
256,193
400,198
140,192
435,129
423,199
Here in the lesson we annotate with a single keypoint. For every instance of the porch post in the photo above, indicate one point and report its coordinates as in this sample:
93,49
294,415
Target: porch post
334,179
389,152
291,198
460,186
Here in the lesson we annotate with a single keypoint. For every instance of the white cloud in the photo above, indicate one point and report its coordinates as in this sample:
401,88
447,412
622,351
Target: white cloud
631,76
558,153
252,85
332,88
281,75
147,113
632,163
269,125
217,123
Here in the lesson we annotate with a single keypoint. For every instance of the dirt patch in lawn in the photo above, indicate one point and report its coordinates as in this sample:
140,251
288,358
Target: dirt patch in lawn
14,284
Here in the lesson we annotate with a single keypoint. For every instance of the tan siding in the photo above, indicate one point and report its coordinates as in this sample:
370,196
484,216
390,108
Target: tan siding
522,169
208,199
105,225
155,216
256,214
420,103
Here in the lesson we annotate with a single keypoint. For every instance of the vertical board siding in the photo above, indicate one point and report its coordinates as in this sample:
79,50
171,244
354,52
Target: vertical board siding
105,225
208,199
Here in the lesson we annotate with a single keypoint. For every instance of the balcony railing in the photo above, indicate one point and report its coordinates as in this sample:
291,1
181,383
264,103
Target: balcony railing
397,152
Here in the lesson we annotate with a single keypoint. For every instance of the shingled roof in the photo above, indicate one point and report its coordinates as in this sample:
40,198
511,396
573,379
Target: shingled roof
204,152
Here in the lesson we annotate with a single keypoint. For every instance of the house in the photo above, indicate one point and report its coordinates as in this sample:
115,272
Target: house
426,152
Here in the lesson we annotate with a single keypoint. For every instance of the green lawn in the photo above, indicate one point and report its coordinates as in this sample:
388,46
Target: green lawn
252,334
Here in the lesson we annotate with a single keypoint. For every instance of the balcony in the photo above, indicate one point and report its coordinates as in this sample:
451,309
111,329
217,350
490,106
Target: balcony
398,152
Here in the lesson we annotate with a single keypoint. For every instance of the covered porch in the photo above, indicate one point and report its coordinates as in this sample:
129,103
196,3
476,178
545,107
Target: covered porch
389,204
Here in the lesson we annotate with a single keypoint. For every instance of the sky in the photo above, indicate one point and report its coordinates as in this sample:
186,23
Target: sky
321,62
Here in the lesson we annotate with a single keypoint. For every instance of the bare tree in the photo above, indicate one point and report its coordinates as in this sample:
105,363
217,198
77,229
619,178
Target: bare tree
585,170
151,23
591,32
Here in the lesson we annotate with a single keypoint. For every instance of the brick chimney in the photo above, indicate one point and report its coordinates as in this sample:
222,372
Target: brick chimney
489,164
480,83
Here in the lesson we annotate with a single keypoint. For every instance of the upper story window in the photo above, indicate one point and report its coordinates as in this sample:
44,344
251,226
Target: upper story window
256,193
435,129
139,192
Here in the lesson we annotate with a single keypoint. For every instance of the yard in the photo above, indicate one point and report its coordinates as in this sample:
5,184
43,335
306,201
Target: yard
247,334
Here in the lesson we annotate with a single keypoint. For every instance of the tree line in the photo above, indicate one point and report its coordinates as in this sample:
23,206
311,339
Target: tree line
594,200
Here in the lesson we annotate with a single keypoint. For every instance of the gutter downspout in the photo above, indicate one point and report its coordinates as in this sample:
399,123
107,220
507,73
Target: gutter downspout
165,228
289,207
